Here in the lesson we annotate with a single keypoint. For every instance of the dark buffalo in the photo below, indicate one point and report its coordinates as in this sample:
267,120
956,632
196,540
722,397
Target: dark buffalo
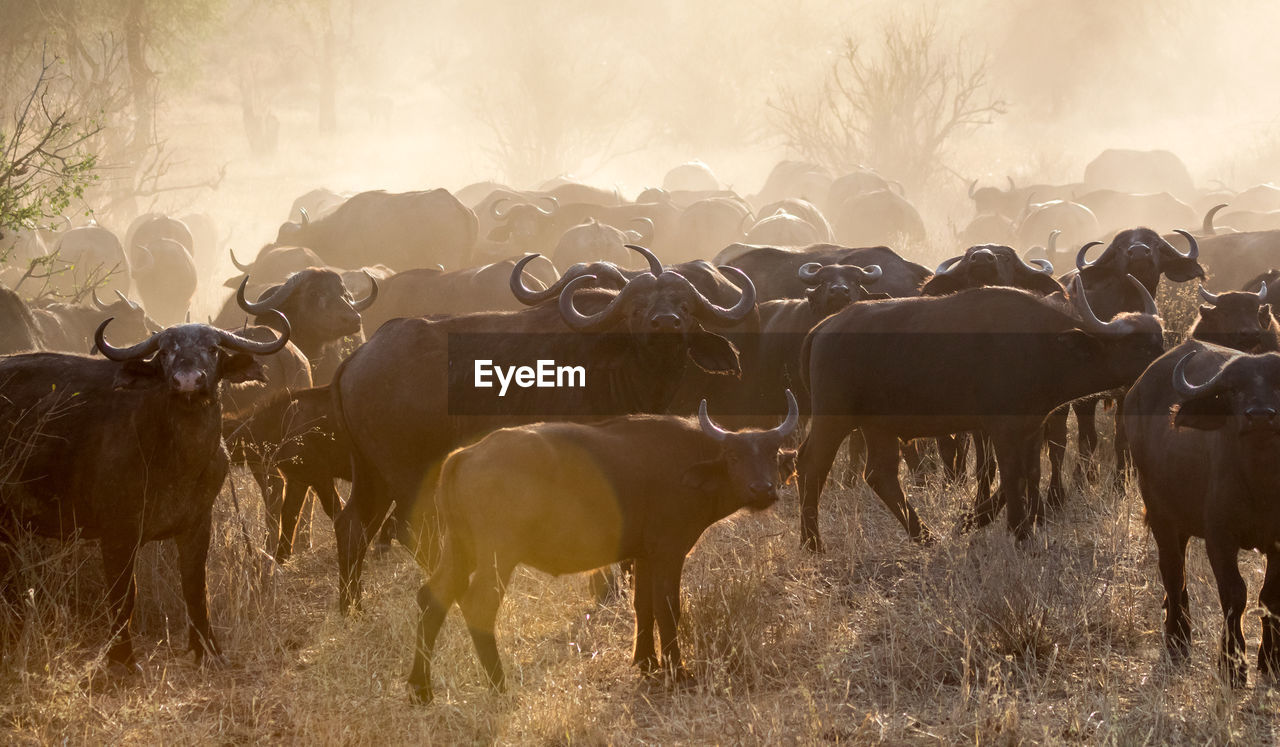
1240,320
402,231
321,311
1206,455
933,366
126,450
392,396
774,271
1137,252
432,292
988,228
990,264
794,179
289,446
567,497
854,184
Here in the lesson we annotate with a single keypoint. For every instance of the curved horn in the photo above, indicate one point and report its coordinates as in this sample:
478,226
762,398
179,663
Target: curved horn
368,300
1212,298
973,185
1262,293
1080,255
103,307
523,293
788,426
238,265
495,210
1091,322
263,304
245,345
144,348
1193,252
306,217
646,229
808,272
655,266
1206,226
1052,246
555,205
746,302
1045,265
708,426
947,265
872,273
1186,389
1012,186
581,322
1148,303
125,298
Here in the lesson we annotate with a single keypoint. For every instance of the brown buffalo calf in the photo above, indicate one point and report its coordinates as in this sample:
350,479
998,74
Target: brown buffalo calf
565,498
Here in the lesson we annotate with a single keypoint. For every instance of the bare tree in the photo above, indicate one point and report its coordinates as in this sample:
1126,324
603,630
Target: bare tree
44,159
895,111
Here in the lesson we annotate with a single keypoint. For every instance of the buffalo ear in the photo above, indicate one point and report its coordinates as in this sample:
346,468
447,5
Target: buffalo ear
500,233
1080,343
1180,269
239,367
705,476
714,354
137,374
1264,315
1039,282
941,285
1202,413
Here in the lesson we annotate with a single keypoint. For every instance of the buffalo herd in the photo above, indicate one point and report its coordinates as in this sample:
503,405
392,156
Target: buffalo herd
352,347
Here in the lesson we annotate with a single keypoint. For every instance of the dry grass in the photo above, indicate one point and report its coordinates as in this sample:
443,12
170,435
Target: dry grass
974,639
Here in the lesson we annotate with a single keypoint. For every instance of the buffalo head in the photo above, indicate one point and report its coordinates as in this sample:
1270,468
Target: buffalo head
190,359
991,264
747,467
1142,253
317,301
1244,392
1237,319
833,287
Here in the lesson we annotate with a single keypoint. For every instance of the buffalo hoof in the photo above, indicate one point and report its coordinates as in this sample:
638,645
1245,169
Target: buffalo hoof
648,664
420,694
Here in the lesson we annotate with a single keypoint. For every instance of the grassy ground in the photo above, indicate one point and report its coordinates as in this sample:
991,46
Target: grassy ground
974,639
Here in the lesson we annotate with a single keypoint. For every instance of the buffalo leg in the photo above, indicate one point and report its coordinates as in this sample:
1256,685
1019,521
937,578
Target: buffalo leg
1269,598
193,553
328,496
1121,446
666,602
1055,435
1172,548
295,492
117,564
814,464
1087,435
954,451
986,506
882,475
480,605
446,584
352,528
1232,594
912,453
1011,458
271,486
644,654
